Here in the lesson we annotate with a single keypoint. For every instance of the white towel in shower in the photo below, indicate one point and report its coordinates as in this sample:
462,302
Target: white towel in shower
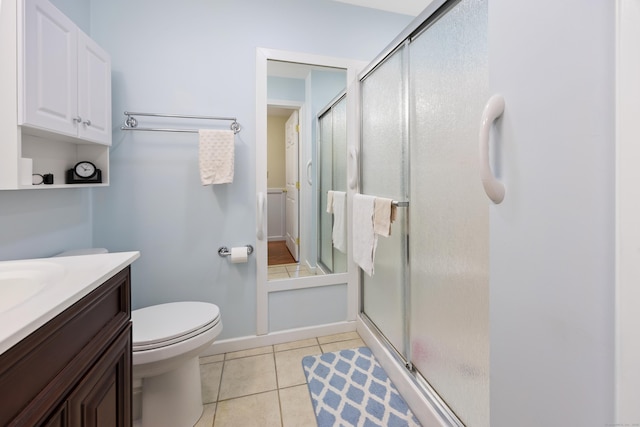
383,216
364,238
216,156
339,235
330,201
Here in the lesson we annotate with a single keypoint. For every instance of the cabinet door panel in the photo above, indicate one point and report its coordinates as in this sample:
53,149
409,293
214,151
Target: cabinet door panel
50,69
59,417
103,398
94,91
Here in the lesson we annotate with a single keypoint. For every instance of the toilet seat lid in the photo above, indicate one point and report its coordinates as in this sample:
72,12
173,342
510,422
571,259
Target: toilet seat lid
158,324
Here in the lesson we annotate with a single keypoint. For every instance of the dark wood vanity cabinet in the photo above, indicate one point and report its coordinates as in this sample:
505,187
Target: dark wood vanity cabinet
76,369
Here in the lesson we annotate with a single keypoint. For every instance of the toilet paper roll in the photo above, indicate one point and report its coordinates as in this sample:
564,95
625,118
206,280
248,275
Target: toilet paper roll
239,255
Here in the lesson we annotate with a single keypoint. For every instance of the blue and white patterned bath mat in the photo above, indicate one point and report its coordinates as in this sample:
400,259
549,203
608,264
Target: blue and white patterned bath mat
349,388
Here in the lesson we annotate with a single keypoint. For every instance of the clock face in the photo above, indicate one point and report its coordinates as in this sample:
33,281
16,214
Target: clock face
85,169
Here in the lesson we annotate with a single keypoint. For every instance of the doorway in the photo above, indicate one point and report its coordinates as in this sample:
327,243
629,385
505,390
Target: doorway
283,141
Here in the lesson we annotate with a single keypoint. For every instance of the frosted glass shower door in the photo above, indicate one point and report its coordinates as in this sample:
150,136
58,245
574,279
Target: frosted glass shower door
332,167
449,245
384,174
339,167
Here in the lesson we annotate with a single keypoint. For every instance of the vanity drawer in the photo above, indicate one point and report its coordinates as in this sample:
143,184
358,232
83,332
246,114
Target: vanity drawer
41,370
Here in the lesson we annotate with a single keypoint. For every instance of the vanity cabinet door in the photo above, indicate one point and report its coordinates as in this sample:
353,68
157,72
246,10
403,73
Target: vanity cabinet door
59,417
50,86
103,397
76,365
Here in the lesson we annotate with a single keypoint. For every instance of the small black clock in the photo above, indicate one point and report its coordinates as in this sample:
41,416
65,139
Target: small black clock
84,172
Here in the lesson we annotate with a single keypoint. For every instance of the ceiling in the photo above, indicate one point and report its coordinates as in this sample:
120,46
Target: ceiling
405,7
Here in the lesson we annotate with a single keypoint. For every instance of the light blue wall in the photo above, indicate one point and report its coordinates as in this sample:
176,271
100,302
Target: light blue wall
41,223
199,57
79,11
285,89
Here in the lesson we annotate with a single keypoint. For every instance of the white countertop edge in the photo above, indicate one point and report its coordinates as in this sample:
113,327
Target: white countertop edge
85,273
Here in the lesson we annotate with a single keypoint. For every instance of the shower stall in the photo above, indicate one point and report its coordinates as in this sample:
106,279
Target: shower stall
332,176
428,301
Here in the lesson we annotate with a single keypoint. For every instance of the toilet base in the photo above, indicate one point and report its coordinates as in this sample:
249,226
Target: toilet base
173,399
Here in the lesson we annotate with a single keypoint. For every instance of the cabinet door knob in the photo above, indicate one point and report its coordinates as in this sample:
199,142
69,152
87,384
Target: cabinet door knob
87,122
78,119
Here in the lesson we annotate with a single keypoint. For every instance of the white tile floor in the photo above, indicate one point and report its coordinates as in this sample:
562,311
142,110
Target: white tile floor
264,386
286,271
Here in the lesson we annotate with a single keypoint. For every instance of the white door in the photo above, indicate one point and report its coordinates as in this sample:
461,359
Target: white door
552,299
94,91
293,185
50,72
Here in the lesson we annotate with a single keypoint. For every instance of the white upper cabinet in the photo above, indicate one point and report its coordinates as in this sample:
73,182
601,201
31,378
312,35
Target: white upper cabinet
57,108
65,78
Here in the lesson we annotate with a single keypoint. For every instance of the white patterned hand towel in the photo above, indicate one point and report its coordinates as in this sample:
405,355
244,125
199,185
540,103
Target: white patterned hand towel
364,239
216,155
339,234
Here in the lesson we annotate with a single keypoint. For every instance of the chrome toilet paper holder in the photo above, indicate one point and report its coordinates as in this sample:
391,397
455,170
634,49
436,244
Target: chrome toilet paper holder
224,251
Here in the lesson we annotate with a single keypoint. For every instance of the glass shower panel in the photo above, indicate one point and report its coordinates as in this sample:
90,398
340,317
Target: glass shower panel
332,162
449,247
384,169
339,139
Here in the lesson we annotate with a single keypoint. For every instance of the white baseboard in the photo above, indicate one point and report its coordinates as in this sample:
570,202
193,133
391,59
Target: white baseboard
312,268
248,342
421,407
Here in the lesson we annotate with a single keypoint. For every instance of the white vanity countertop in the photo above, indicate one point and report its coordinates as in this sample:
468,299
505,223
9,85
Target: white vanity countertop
79,276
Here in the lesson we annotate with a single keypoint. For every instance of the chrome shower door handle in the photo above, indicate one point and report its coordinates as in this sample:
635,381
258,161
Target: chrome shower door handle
492,111
260,216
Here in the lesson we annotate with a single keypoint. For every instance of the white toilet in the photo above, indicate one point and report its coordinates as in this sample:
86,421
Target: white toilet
167,341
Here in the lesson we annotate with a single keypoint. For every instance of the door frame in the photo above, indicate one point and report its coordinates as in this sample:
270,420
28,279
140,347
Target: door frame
627,216
263,287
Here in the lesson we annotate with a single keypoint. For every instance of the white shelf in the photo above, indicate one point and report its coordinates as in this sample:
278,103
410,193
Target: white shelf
54,186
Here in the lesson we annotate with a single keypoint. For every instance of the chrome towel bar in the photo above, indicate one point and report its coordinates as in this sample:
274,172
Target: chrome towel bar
131,123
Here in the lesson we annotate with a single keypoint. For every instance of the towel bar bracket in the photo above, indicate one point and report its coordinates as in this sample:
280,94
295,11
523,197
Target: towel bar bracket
131,122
